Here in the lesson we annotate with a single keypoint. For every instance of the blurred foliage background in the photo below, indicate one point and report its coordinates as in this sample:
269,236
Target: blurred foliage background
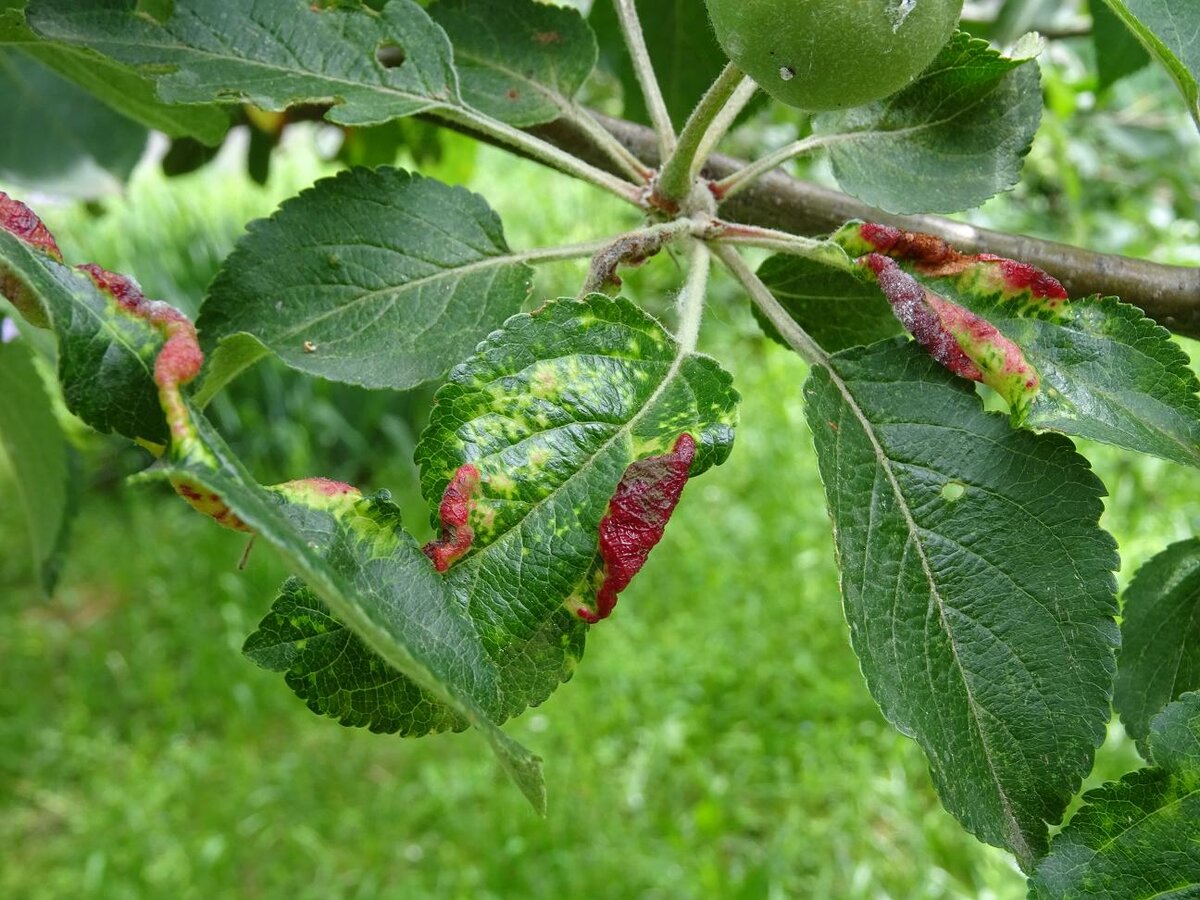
718,741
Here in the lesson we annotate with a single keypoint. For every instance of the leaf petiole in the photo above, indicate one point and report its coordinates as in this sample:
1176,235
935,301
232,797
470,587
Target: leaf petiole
635,41
795,336
744,177
825,252
542,151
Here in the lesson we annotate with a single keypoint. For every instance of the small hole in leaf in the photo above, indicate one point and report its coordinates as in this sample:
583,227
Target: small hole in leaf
952,491
389,55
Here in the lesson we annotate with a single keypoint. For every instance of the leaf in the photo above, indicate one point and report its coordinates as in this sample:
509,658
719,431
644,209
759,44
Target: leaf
1118,53
352,553
1094,368
683,51
118,86
949,141
528,443
837,309
1137,838
350,550
1170,30
518,61
271,53
378,278
1160,636
977,584
37,452
336,674
108,334
58,138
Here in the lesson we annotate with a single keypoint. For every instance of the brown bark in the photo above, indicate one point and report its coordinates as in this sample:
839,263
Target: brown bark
1168,294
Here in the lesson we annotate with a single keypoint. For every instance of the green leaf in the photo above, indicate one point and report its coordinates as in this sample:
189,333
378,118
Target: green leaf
118,86
518,61
60,139
683,50
271,53
1137,838
378,278
1160,636
108,335
544,420
1094,368
1170,30
1118,53
352,553
977,584
37,452
836,308
953,138
336,674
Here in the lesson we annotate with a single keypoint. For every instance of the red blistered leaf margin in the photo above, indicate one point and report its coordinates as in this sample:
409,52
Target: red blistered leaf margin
963,342
177,362
637,515
22,222
454,512
933,257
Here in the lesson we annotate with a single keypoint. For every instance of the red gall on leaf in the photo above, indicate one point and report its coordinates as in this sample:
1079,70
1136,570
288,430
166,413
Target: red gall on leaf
913,306
22,222
963,342
932,257
454,512
637,515
19,220
179,360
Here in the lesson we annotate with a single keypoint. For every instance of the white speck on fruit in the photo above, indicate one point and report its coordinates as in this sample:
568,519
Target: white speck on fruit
899,11
787,73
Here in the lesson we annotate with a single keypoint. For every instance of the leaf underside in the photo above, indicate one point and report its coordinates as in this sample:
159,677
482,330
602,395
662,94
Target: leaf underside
518,61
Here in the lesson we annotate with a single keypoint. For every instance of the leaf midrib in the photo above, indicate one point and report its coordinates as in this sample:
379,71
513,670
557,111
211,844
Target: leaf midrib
398,290
1024,852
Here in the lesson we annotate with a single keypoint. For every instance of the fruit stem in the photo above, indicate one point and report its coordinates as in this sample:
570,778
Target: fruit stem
724,120
742,178
679,171
631,28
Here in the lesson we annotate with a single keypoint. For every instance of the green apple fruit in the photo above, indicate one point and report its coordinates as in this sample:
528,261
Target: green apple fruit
832,54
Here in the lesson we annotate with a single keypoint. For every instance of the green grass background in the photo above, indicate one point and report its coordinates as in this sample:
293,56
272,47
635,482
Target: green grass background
717,740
